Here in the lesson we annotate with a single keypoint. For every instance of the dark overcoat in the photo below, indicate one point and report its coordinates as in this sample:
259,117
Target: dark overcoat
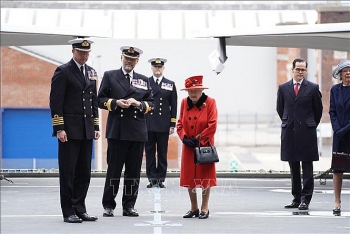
300,117
127,124
163,116
339,111
73,102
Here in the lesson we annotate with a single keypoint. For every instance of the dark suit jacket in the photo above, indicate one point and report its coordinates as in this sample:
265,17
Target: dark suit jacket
300,117
163,116
125,123
339,111
73,102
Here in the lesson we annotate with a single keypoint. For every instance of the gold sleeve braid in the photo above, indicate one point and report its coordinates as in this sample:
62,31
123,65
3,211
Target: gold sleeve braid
96,121
108,104
148,108
173,120
57,120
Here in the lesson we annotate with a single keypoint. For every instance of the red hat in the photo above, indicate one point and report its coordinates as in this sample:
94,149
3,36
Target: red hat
194,82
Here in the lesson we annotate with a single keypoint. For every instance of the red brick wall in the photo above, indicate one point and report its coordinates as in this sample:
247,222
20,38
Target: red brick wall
330,15
25,80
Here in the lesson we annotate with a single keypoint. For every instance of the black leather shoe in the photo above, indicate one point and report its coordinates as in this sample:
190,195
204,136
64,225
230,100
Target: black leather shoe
336,211
73,219
109,212
131,212
190,214
161,185
292,205
303,206
204,215
150,185
86,217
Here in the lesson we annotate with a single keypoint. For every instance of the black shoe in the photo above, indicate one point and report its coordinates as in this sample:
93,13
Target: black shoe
73,219
336,211
152,184
109,212
86,217
303,206
161,185
292,205
204,215
190,214
131,212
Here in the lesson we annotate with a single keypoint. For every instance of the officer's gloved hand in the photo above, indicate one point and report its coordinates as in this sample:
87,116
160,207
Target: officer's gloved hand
195,141
188,142
342,132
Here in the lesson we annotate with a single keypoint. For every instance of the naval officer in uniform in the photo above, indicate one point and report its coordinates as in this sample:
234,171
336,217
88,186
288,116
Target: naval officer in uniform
127,96
74,112
160,123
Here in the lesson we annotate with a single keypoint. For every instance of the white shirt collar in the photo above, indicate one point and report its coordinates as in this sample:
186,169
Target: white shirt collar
155,79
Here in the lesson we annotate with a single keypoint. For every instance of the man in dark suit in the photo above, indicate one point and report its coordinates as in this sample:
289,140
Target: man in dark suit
160,123
127,96
299,105
74,112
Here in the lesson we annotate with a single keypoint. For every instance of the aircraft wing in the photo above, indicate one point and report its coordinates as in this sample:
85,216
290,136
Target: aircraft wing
11,35
332,36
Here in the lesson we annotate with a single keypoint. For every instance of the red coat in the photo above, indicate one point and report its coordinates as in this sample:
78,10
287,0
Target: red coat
192,122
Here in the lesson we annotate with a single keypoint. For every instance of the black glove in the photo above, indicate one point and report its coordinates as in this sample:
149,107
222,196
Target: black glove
195,141
188,142
343,131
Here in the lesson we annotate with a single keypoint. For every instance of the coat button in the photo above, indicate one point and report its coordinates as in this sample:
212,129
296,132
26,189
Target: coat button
85,116
192,127
83,99
160,98
195,117
92,116
189,118
134,116
121,115
160,113
160,104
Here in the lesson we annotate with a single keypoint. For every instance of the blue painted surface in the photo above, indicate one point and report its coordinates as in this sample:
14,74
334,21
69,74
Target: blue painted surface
27,139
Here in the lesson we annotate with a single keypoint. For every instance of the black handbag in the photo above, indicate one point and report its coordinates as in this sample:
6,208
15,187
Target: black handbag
205,154
341,161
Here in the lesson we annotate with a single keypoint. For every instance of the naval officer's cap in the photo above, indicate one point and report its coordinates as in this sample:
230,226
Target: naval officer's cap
81,44
157,62
131,52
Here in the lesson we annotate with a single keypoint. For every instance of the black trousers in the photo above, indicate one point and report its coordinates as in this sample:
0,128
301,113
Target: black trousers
121,154
74,161
156,168
302,193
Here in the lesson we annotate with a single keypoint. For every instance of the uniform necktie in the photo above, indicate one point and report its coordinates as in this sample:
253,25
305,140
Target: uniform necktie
296,89
82,72
127,77
157,81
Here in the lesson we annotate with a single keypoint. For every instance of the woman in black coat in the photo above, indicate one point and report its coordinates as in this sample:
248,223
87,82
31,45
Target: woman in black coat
339,112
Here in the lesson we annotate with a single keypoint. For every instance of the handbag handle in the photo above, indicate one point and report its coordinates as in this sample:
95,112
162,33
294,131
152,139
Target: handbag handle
343,153
199,141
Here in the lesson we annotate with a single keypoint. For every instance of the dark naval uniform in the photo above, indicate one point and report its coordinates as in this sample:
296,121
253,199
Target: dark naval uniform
73,104
159,121
126,132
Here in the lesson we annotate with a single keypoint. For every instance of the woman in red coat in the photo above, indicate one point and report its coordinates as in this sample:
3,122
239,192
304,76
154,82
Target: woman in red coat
198,115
